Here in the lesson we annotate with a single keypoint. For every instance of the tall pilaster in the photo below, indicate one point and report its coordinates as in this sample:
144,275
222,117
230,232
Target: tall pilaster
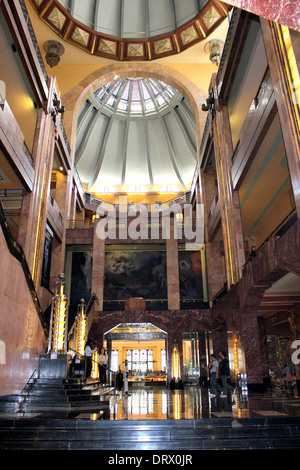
63,199
98,267
172,271
214,267
34,207
251,344
229,203
283,57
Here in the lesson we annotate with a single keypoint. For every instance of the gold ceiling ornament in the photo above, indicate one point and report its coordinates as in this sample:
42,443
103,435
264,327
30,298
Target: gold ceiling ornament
135,50
84,35
107,47
57,18
81,36
163,46
189,35
211,17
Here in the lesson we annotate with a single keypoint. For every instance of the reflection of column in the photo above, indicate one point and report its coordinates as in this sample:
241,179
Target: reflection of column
98,267
172,271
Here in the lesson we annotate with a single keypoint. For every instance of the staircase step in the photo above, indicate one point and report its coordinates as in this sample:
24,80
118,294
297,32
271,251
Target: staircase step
152,435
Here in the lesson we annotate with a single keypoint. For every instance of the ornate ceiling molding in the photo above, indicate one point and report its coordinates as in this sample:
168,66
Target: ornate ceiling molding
131,49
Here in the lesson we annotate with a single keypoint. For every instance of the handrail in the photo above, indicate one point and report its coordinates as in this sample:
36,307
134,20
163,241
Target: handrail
282,225
99,364
17,252
88,308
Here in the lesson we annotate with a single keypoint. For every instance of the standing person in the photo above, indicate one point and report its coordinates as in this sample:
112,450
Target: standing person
102,358
88,358
213,367
119,380
225,374
252,253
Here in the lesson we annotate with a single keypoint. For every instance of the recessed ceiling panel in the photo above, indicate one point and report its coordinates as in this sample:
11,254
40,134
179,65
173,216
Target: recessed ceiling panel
132,29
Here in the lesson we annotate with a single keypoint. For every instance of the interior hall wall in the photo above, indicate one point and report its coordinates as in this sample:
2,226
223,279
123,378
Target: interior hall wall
22,337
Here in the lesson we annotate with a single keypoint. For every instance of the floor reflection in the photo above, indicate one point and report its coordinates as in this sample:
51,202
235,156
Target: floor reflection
194,403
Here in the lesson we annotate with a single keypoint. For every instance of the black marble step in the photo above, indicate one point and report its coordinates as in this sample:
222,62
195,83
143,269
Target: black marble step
207,434
54,393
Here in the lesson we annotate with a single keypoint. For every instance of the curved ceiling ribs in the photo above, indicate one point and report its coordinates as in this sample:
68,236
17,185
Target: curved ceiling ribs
140,124
127,30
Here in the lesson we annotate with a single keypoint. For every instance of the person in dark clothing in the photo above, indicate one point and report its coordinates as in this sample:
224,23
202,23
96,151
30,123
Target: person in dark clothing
119,380
252,253
225,374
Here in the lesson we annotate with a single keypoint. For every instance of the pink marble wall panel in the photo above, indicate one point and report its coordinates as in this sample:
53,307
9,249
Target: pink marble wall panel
135,304
21,335
286,12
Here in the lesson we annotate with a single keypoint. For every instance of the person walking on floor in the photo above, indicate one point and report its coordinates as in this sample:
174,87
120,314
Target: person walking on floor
225,374
213,367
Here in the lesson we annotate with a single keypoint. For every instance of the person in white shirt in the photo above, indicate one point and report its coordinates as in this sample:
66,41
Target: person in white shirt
102,359
88,357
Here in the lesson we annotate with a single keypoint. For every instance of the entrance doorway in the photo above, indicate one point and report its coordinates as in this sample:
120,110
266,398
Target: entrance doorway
144,346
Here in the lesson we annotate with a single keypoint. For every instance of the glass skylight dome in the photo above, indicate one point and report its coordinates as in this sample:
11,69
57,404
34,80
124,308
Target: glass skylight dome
136,96
136,131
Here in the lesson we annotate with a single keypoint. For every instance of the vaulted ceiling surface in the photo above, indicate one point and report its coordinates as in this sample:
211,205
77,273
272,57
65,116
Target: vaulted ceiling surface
136,132
132,29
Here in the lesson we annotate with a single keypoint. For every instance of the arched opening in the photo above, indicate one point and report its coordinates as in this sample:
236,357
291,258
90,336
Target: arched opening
144,346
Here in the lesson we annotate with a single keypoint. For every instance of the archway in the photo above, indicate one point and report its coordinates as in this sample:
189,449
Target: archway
75,98
144,347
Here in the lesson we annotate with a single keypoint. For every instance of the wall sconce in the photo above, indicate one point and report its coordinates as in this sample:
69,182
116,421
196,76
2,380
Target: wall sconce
59,319
175,363
54,50
81,328
214,48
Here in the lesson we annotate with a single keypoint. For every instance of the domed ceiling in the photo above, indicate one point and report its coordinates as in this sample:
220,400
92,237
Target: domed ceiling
132,29
136,132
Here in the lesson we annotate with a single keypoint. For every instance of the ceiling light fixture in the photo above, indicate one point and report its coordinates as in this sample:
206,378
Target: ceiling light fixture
54,50
214,48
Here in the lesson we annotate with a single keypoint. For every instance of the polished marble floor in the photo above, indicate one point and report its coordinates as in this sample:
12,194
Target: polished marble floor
194,403
162,404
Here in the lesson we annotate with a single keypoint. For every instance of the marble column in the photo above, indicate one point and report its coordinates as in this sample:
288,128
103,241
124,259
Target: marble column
172,271
229,202
294,321
72,215
214,266
34,206
274,366
288,106
63,200
98,268
251,343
